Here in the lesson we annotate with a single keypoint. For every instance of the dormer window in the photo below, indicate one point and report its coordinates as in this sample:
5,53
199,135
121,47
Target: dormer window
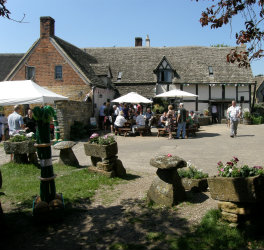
164,72
119,76
211,72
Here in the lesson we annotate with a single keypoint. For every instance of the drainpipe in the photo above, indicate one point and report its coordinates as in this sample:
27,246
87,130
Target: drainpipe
93,90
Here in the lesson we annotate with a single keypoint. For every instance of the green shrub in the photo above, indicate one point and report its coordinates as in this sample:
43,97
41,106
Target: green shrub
192,173
257,119
78,131
19,138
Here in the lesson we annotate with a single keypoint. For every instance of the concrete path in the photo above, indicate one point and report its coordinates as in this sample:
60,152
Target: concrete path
211,145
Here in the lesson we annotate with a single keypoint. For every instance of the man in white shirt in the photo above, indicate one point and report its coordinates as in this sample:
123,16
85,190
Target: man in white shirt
120,120
234,113
15,121
140,122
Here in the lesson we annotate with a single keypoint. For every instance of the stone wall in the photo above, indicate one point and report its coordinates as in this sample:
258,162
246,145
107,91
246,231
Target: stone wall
70,111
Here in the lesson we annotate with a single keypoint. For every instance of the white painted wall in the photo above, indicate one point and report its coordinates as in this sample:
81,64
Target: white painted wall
243,91
216,92
203,92
202,107
230,92
101,96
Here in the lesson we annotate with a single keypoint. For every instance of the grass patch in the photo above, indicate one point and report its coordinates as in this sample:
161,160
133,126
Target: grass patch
211,233
21,183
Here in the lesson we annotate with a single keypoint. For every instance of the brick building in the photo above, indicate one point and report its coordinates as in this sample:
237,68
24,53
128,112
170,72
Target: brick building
62,68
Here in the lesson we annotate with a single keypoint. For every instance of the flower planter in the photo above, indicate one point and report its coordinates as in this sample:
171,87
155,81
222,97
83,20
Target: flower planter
195,185
99,150
241,189
24,147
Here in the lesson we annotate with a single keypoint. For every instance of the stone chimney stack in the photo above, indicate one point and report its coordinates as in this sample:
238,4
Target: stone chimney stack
46,26
138,42
147,41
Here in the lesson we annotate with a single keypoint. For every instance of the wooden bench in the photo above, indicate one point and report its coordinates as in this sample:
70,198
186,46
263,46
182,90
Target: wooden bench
143,130
161,131
123,131
191,131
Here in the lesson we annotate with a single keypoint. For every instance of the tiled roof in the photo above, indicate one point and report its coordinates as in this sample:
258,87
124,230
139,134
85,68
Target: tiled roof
82,60
190,63
7,63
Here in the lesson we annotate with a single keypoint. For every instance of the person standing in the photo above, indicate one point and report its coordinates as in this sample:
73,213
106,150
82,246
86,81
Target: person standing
214,114
234,113
15,121
101,116
181,120
170,122
30,122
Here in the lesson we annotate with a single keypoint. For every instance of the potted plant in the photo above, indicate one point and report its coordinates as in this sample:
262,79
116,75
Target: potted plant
101,146
247,119
237,184
193,179
206,112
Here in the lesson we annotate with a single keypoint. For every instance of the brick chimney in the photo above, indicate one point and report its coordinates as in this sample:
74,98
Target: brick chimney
46,26
138,42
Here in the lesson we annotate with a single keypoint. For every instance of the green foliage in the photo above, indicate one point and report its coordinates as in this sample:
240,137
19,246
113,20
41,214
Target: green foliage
44,114
162,104
158,109
211,233
247,115
21,184
192,172
18,138
230,169
78,131
256,119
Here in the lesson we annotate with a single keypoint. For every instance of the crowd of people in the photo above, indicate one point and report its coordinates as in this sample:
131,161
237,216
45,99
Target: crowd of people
119,116
16,122
116,116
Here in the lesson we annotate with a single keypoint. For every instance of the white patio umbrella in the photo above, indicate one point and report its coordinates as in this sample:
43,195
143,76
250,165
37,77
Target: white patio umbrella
132,97
176,93
26,92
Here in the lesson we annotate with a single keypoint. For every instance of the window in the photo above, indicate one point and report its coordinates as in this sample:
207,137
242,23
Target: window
30,73
58,72
211,72
164,72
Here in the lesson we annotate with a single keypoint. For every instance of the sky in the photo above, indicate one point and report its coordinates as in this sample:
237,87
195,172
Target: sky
108,23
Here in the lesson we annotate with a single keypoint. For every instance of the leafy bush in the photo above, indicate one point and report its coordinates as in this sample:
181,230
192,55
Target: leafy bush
257,119
78,131
19,138
158,109
191,172
230,169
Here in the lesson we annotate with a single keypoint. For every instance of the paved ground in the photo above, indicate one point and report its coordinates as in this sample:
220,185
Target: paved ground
211,144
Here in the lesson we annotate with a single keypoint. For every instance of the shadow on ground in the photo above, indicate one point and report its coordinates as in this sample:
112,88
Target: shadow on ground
131,224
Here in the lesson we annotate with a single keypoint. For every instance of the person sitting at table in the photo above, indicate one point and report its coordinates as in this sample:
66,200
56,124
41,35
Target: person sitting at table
140,122
162,120
195,118
189,120
132,114
120,121
148,116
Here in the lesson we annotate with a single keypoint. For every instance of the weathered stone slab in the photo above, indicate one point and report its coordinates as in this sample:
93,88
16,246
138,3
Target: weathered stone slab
119,169
67,157
195,185
167,162
166,189
234,208
98,150
104,166
109,174
250,189
64,145
229,217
